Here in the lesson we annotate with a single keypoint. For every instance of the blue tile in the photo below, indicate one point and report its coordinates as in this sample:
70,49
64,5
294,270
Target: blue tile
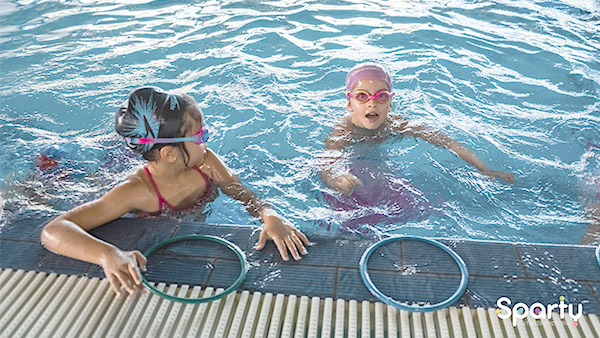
411,271
225,273
415,288
136,233
426,257
244,237
291,279
178,269
488,258
33,256
200,247
336,252
555,261
464,300
387,257
95,271
351,287
595,288
26,229
425,288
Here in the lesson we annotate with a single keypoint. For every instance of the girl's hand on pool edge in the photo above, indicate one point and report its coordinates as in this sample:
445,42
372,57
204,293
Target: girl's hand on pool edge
122,269
285,236
507,177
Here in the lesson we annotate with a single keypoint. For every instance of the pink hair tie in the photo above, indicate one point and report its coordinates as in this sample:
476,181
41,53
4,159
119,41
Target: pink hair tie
367,71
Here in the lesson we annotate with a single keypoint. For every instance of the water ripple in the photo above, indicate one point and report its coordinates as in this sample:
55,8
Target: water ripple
516,81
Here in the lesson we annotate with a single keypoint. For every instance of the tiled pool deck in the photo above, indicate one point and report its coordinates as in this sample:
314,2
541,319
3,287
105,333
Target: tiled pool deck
525,273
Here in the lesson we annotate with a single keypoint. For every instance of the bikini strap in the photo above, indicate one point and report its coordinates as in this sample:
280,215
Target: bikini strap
206,180
161,200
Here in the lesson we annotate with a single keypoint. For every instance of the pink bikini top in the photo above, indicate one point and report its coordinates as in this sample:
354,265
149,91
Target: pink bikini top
163,202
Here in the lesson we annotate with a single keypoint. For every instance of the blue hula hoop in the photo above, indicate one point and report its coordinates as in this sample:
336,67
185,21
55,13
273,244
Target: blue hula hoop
414,308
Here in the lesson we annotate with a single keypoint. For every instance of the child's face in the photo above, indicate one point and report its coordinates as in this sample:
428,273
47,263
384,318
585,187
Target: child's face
370,114
197,152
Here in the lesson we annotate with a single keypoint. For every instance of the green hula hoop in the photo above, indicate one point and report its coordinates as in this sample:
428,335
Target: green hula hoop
239,253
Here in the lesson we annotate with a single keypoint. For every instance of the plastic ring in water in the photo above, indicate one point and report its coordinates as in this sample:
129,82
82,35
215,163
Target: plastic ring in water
414,308
598,254
239,253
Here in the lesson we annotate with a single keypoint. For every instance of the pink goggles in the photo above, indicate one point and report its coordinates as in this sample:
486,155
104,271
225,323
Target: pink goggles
200,137
381,96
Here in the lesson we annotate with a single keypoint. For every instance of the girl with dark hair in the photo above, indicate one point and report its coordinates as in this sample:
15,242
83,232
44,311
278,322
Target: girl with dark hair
182,173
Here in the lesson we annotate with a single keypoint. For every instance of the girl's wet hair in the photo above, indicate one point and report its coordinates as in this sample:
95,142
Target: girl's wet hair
151,112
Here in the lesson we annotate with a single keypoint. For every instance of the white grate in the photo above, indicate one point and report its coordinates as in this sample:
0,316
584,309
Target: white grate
36,304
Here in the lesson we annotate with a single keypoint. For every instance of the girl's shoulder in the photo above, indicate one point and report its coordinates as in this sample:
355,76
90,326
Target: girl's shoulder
137,184
343,127
406,127
340,134
214,167
132,193
137,180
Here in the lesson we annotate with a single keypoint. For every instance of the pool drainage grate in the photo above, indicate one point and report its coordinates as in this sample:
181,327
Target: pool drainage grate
36,304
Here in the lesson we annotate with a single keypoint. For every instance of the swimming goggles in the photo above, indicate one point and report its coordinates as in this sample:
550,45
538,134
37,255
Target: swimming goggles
200,137
381,96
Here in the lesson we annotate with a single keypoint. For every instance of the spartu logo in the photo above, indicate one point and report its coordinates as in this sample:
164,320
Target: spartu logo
536,310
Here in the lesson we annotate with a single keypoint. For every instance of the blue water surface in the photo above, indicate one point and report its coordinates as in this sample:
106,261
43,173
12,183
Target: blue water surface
517,82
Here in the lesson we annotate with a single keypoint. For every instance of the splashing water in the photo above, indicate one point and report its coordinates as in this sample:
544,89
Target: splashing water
517,82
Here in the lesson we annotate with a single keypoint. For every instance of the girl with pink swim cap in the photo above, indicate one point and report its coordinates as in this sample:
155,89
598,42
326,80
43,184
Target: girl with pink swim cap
369,93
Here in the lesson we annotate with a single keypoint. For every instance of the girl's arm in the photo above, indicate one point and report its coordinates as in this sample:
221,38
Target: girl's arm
332,156
441,140
285,237
68,235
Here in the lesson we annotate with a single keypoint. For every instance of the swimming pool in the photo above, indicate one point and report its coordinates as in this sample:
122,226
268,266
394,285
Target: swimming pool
518,82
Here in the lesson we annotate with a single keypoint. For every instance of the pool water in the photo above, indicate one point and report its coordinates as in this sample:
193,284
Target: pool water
517,82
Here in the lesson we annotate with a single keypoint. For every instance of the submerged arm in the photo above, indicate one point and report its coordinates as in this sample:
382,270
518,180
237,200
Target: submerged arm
441,140
234,188
331,157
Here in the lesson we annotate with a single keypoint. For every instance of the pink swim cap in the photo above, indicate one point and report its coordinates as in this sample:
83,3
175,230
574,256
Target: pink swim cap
367,71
